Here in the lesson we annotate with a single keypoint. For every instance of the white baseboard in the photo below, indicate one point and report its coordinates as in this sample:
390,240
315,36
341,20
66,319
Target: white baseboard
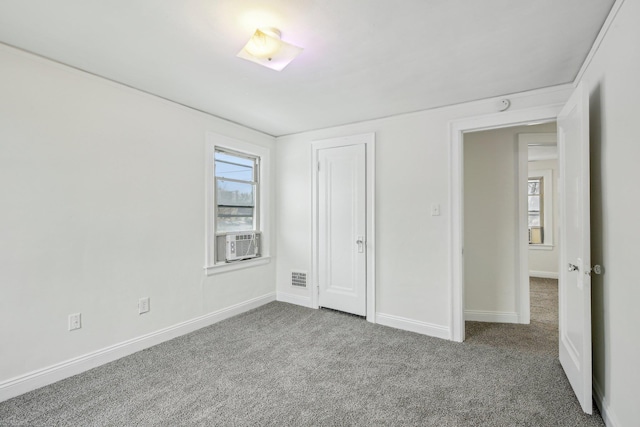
411,325
491,316
294,299
543,274
603,405
42,377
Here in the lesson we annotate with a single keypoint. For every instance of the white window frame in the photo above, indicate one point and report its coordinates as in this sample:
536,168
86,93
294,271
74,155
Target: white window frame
255,181
543,146
215,142
547,208
540,195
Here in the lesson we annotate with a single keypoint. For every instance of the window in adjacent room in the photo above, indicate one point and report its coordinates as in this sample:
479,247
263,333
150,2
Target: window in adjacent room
536,210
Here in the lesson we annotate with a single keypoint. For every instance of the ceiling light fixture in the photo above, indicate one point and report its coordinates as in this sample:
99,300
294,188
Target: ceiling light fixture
266,48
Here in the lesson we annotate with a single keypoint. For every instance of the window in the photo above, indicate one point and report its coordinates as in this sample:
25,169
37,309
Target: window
237,189
536,210
540,190
237,201
542,153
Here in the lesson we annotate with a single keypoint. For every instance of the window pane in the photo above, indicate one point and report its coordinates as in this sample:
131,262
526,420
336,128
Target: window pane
234,219
534,219
534,187
534,203
230,193
535,235
231,212
235,167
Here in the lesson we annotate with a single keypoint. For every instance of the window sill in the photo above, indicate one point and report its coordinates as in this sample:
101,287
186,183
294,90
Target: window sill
238,265
542,247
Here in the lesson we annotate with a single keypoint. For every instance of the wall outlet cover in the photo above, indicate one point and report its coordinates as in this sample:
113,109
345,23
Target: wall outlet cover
143,305
75,321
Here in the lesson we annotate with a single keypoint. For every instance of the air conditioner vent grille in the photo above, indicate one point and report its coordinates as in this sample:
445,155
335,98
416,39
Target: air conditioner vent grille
245,247
242,246
299,279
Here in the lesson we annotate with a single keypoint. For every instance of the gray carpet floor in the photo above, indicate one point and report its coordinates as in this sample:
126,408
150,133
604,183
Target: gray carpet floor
540,337
287,365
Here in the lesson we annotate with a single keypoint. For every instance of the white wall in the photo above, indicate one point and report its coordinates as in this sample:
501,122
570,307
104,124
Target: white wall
102,202
101,193
491,223
543,260
412,172
612,78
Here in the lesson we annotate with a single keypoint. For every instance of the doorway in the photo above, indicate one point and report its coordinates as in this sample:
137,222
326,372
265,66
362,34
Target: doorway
343,224
574,291
503,169
508,219
458,129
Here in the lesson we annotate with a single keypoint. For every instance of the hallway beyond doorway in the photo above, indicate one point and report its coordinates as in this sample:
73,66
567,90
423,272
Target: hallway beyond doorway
541,336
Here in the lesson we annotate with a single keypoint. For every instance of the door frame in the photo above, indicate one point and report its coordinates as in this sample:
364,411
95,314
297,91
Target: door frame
368,140
456,194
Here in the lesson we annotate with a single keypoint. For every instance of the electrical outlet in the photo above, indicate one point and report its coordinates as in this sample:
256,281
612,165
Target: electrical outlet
75,321
143,305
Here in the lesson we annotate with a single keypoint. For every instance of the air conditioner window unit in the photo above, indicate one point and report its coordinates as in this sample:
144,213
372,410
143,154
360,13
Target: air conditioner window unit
242,245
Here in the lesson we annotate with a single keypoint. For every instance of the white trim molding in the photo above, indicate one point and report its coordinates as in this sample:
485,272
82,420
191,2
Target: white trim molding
42,377
304,301
543,274
237,265
369,140
596,44
541,247
603,406
522,292
424,328
457,130
214,141
547,202
540,146
491,316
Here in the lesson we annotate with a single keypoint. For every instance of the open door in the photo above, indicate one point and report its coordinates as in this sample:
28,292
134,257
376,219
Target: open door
575,252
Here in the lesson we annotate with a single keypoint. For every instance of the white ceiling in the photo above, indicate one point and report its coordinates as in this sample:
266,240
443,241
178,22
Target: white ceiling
362,59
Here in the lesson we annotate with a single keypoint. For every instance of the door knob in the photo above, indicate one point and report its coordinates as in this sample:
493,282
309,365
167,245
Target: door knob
596,269
573,267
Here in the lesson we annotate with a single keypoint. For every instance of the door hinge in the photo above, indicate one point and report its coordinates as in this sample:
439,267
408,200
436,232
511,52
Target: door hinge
318,166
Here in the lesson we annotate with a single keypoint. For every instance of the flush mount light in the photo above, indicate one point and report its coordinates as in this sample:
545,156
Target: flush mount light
266,48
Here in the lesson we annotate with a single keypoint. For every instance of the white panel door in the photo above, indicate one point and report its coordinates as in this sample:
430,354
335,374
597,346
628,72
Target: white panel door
575,254
342,229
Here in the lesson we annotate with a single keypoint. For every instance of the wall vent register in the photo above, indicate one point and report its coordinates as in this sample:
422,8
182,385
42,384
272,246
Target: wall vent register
299,279
243,245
